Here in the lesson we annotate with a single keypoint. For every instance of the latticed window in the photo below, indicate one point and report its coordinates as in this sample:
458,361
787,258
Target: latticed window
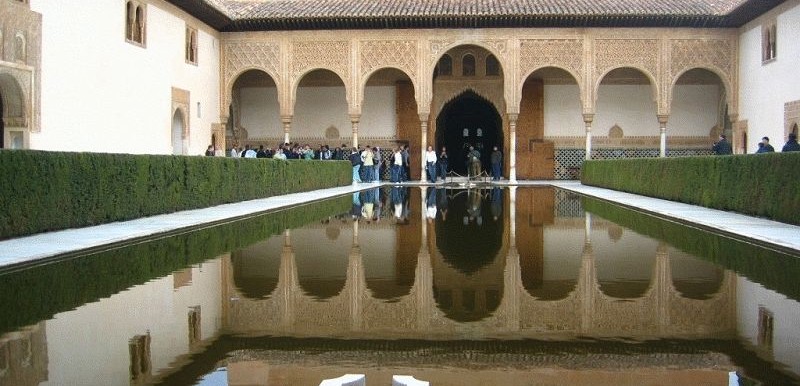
769,48
191,45
468,65
135,25
492,66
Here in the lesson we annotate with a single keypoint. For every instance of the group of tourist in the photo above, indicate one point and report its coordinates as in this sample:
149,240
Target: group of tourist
723,147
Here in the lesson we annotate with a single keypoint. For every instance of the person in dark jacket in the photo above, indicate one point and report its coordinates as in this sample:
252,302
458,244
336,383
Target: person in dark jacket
791,144
764,146
355,161
496,160
722,147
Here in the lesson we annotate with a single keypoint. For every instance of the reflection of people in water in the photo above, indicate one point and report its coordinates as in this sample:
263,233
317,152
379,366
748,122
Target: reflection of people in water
430,207
443,204
497,203
355,211
473,162
399,198
473,207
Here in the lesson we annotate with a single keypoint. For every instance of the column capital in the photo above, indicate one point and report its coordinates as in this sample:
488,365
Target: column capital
588,118
423,117
286,119
662,119
354,118
512,117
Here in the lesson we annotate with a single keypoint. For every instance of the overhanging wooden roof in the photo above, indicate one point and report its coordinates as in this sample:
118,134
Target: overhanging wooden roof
282,15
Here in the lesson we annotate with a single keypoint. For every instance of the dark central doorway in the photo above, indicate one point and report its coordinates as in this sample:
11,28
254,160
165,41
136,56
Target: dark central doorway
469,119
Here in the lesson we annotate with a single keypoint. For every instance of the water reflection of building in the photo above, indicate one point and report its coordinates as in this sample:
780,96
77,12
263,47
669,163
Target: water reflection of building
23,356
613,283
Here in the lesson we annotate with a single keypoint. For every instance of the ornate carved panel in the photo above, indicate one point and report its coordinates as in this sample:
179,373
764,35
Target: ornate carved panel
395,53
691,53
331,55
638,53
566,53
242,55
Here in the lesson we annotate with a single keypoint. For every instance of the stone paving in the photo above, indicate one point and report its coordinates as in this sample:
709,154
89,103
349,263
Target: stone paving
54,245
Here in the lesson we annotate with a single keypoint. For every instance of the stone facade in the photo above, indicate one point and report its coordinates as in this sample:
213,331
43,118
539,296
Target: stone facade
20,77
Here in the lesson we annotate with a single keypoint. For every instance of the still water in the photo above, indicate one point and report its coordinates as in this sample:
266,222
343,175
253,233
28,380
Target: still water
523,286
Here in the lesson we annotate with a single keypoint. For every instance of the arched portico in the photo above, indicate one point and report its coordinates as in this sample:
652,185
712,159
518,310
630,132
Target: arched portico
468,120
13,113
254,108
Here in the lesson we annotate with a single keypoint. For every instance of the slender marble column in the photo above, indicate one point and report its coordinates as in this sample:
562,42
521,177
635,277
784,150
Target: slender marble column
354,121
587,120
512,152
286,120
423,123
662,123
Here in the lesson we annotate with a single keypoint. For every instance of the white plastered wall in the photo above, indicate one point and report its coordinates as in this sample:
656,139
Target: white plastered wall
764,88
73,349
631,107
316,109
100,93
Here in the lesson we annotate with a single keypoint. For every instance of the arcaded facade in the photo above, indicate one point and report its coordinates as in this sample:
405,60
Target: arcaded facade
550,86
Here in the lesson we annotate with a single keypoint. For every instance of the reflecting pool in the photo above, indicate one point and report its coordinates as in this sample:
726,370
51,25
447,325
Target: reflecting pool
482,286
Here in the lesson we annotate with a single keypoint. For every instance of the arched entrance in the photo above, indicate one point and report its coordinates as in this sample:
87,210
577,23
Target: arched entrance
177,133
468,120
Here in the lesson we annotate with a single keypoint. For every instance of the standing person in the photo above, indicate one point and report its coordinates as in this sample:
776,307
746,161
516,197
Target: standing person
234,152
764,146
473,162
406,163
496,161
337,153
355,161
722,147
261,153
368,162
210,151
791,144
430,164
378,159
443,159
397,165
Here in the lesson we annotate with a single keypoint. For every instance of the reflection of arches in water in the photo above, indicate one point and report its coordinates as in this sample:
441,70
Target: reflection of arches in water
321,262
256,268
694,278
387,277
626,270
470,238
466,303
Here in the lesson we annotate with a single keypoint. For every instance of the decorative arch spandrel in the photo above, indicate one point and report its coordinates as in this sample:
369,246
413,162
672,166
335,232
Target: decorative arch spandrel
715,55
307,56
639,54
242,56
565,54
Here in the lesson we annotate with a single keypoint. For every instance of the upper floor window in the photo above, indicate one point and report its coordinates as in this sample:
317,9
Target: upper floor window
492,66
769,47
191,45
20,50
468,65
135,22
445,66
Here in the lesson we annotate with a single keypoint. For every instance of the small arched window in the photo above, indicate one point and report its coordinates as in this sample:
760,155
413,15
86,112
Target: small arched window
468,65
191,45
445,65
492,66
135,15
20,51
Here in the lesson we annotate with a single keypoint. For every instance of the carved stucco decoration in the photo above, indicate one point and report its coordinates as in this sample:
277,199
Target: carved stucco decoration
329,55
401,54
641,54
242,56
564,53
715,55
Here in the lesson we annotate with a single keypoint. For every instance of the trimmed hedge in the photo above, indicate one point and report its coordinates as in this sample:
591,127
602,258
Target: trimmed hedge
774,270
40,292
764,185
43,191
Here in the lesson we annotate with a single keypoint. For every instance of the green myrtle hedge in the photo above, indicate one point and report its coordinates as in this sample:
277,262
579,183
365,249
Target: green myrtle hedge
38,293
43,191
765,185
774,270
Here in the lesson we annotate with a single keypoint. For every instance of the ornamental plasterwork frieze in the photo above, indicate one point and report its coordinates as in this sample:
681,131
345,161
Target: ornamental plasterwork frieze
246,55
693,53
437,49
538,53
329,55
389,53
642,54
500,48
